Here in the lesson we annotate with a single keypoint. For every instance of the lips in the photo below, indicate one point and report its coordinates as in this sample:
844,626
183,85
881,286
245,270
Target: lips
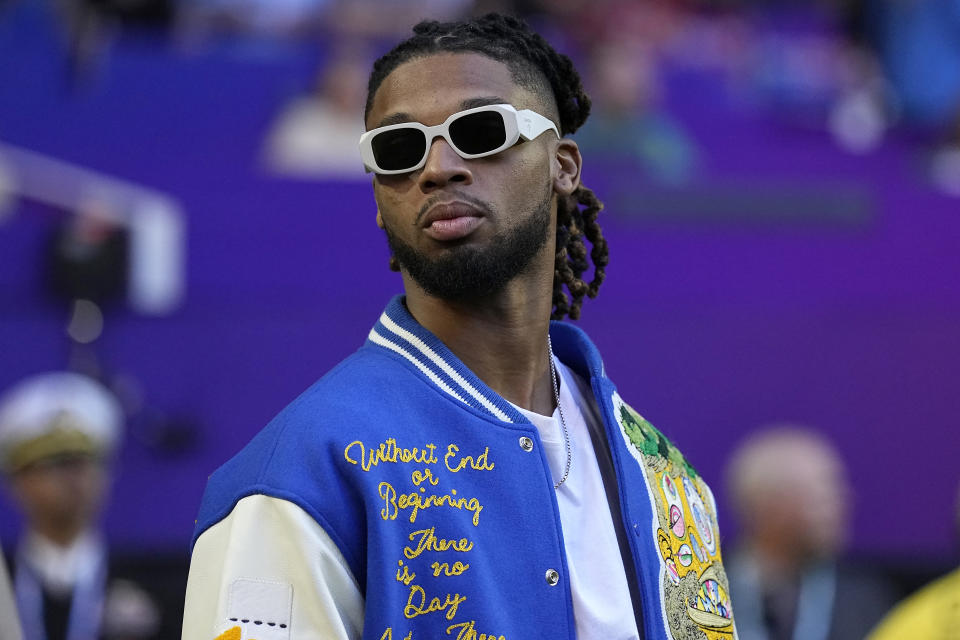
451,221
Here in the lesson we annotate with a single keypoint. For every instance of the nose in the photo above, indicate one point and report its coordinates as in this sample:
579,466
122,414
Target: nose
443,166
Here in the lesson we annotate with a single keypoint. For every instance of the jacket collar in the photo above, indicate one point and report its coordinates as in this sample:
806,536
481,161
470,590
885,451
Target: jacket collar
397,331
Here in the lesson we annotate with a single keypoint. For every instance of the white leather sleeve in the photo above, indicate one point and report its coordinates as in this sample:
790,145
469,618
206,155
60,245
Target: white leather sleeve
268,571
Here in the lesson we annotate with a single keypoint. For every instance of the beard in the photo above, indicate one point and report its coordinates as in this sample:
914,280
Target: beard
464,271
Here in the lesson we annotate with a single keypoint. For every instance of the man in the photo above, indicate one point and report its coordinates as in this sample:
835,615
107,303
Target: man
791,493
57,433
452,478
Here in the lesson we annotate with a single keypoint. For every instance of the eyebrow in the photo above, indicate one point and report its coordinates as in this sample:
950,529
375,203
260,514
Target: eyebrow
469,103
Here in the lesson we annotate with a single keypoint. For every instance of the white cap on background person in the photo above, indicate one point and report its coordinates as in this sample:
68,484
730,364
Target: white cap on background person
57,414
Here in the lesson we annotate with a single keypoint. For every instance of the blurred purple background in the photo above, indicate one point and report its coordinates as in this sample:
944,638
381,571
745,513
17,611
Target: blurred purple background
782,279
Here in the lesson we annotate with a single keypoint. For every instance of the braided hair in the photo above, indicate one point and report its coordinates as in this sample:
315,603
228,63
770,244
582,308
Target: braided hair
536,66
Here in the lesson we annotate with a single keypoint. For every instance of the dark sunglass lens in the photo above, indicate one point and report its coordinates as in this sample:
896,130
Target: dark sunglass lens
398,149
478,132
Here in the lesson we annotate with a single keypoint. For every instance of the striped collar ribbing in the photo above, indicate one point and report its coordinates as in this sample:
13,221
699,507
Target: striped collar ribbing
398,332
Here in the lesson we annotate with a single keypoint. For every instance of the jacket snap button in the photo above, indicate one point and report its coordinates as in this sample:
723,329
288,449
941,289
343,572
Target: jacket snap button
552,577
526,443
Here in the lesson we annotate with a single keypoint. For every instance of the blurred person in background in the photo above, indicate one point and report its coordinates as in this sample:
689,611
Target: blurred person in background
57,434
360,20
284,18
932,613
918,46
629,125
316,134
10,627
387,20
790,490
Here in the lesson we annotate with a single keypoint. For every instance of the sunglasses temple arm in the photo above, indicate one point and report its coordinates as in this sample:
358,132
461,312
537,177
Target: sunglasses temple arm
531,124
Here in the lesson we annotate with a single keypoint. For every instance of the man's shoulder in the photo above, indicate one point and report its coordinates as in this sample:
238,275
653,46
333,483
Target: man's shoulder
291,455
359,390
350,387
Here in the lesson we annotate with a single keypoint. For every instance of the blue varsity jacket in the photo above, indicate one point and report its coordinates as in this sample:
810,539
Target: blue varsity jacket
400,452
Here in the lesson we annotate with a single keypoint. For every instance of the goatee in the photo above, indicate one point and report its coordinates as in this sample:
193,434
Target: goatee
466,271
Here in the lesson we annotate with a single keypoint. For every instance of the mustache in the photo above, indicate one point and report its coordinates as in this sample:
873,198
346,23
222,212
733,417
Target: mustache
446,197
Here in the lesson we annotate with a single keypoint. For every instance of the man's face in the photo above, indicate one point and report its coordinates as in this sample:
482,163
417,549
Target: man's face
463,228
61,494
804,506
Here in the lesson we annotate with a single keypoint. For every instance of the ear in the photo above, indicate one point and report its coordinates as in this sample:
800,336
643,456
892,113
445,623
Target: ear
568,164
376,200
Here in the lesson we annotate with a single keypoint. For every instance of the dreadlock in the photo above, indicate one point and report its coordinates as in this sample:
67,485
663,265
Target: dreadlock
536,66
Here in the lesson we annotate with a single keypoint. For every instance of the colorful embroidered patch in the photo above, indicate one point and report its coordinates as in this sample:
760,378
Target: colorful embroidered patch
646,438
693,584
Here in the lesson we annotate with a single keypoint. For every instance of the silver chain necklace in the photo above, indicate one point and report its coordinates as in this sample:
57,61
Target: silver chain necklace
563,423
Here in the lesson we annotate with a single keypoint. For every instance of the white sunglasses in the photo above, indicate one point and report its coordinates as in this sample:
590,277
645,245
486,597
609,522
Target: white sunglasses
474,133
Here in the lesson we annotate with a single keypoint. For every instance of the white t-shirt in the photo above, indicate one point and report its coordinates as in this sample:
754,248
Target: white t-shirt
601,598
